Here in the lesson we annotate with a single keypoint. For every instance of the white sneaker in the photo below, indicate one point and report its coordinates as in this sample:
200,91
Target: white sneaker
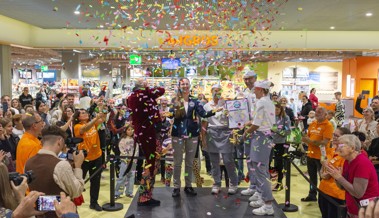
258,203
248,192
264,210
232,189
256,197
215,190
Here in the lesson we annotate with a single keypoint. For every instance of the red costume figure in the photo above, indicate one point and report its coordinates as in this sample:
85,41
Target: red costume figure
145,114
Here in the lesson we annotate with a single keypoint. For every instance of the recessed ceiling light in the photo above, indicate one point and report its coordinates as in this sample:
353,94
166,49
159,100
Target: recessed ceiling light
76,12
368,14
332,27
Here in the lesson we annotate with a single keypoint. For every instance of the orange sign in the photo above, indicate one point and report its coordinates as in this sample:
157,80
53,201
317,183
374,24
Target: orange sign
192,40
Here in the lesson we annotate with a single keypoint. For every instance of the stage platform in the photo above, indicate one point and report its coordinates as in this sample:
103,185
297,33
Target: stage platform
203,205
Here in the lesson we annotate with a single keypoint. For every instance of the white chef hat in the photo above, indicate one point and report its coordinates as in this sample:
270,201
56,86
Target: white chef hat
216,86
249,73
264,84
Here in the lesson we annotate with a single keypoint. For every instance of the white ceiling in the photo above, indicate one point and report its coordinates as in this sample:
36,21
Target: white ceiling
312,15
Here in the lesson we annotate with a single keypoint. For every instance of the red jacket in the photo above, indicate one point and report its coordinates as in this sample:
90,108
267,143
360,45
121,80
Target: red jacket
314,100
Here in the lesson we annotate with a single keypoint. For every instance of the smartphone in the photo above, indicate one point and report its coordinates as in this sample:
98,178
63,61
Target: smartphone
46,202
5,107
365,202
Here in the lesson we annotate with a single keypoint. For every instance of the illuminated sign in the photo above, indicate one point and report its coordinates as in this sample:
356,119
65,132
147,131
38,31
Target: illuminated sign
135,59
192,40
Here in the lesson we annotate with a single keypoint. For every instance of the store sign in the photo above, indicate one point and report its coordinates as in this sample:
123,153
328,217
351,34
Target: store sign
44,68
135,60
188,40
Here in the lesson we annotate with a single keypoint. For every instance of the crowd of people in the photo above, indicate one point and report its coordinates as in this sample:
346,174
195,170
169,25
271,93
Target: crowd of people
62,143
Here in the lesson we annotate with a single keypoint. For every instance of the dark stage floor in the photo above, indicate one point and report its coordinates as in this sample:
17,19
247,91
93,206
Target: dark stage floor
203,205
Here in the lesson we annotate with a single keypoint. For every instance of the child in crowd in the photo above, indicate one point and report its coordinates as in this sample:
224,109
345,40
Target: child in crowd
168,152
331,119
126,146
311,117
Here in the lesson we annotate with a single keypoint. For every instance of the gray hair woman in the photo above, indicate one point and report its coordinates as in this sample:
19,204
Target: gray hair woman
367,125
359,184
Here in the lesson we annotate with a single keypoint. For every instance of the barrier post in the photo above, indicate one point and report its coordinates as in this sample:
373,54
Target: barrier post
287,206
112,206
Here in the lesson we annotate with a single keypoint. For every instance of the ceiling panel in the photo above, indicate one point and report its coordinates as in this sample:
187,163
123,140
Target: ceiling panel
229,15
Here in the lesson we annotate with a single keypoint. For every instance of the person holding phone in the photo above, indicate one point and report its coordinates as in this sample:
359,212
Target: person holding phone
53,175
63,209
11,195
374,105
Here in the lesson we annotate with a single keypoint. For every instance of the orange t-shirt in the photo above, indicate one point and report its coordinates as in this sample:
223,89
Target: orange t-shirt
27,147
91,142
329,186
319,131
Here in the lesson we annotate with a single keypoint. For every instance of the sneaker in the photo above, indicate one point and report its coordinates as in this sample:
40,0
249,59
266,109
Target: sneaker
129,195
117,196
248,192
232,189
190,191
215,190
256,197
151,203
264,210
96,207
258,203
308,199
176,192
278,187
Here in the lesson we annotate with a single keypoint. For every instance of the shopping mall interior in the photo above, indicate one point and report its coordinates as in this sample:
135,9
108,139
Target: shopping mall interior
330,45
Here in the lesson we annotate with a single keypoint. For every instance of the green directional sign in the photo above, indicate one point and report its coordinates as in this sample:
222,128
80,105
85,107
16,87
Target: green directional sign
135,60
44,68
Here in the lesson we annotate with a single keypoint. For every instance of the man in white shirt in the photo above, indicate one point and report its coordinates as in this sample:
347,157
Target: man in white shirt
244,148
259,134
218,142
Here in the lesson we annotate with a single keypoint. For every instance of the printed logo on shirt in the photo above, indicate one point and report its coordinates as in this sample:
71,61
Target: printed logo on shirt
191,104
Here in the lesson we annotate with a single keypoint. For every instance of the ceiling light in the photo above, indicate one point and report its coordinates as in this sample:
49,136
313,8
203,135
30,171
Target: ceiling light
332,27
368,14
77,12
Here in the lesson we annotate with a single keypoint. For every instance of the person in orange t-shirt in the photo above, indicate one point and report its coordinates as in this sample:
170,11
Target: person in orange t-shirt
328,185
29,144
86,129
320,132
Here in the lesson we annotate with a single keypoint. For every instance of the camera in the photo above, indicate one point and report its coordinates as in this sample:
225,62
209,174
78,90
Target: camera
71,143
18,178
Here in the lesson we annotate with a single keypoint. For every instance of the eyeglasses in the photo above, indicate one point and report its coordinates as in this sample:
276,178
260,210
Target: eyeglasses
341,146
38,121
68,111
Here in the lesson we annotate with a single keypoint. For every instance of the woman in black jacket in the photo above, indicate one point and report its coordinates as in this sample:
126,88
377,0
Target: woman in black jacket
305,109
8,143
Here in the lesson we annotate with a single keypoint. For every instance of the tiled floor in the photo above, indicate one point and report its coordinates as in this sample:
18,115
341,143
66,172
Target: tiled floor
299,189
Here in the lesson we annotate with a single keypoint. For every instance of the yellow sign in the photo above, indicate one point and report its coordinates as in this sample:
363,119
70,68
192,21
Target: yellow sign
191,40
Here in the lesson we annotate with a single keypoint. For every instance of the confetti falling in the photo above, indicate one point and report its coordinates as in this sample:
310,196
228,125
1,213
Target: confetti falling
163,17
